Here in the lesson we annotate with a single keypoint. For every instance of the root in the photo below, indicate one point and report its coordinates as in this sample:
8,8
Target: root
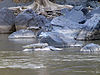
42,7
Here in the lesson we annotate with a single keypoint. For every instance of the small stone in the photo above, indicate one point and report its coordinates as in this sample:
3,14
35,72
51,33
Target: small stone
28,50
38,45
42,49
91,48
22,34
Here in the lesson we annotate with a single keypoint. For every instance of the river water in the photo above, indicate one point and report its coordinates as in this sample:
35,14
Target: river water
13,61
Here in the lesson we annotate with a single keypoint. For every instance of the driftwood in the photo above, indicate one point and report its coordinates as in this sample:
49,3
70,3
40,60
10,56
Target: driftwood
42,7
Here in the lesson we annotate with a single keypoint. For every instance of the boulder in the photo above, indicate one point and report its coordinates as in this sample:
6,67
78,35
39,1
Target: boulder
89,29
29,18
91,48
63,22
69,31
22,34
52,38
94,3
76,14
67,28
7,20
65,11
64,31
94,11
59,39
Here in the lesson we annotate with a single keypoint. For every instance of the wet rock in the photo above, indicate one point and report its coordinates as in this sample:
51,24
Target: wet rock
22,34
68,31
40,47
62,21
7,18
85,11
49,48
89,29
91,48
64,32
65,11
60,39
36,47
75,30
76,15
94,11
54,48
52,38
29,18
94,4
95,35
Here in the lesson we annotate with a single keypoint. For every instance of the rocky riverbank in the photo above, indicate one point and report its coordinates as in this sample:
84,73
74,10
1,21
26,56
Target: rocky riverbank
68,29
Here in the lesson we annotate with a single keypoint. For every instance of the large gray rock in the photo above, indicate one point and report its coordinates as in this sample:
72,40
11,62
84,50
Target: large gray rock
62,21
29,18
52,38
94,3
69,31
22,34
76,14
59,39
89,29
94,11
65,11
91,48
65,32
68,28
7,18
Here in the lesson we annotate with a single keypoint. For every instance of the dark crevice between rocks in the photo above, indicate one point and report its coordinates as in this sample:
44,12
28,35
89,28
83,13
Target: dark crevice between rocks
13,29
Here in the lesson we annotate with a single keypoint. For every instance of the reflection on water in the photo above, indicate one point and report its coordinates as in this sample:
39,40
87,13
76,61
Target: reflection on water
14,61
13,44
49,63
23,41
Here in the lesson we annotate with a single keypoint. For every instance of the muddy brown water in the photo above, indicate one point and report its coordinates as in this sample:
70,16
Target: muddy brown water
13,61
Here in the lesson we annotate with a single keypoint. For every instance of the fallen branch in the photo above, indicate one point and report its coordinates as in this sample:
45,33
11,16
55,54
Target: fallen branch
41,7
